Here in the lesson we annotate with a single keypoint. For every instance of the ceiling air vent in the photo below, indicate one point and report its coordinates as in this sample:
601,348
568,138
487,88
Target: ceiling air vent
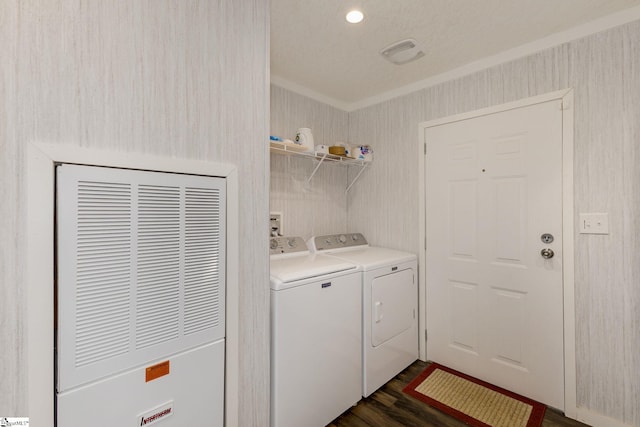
402,52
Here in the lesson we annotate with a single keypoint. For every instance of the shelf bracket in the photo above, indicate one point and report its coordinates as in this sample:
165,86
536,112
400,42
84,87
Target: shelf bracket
316,169
289,149
362,168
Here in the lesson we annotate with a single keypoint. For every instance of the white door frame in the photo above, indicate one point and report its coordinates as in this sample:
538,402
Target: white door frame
567,229
41,160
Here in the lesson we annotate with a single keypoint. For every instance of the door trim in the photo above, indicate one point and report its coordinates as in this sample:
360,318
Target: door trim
566,96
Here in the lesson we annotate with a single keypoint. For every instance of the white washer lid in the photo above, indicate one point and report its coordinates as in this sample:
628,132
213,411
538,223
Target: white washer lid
288,269
372,257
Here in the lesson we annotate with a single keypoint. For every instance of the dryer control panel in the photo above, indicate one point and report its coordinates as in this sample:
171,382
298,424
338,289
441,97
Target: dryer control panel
336,241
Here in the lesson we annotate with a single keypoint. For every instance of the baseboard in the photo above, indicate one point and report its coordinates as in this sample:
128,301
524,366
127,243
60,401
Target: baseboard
595,419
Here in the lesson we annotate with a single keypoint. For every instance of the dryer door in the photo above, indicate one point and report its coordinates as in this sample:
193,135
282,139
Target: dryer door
393,305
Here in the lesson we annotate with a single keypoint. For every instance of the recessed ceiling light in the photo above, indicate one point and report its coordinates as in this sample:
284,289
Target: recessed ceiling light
354,17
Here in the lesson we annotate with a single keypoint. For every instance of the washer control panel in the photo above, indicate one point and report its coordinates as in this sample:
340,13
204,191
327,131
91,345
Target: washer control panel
286,245
337,241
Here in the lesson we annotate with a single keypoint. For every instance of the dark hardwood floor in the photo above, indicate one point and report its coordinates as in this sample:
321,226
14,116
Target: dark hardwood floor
390,407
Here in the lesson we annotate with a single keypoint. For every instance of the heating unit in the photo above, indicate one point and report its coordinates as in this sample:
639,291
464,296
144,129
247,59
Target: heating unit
140,291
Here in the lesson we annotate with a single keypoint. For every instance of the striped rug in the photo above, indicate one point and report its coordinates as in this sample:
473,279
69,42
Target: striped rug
473,401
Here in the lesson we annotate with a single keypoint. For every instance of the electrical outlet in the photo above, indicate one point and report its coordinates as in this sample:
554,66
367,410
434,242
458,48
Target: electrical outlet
275,224
594,223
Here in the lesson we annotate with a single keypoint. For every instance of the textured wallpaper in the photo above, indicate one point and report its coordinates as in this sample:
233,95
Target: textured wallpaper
604,70
175,78
311,207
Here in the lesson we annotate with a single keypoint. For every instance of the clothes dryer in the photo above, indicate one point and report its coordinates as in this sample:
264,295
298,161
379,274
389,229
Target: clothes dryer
389,304
316,366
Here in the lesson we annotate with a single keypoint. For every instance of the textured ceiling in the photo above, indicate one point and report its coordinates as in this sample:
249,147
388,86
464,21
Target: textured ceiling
313,47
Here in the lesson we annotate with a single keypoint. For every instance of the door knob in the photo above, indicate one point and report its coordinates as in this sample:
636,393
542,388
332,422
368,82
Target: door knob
547,253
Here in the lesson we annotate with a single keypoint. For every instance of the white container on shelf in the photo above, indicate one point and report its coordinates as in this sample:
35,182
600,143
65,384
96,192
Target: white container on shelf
362,152
322,149
304,137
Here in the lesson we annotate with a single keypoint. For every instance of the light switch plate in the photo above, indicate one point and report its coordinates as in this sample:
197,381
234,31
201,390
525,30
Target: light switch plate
594,223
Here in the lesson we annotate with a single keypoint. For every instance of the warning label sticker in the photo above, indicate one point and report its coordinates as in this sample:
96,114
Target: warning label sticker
157,371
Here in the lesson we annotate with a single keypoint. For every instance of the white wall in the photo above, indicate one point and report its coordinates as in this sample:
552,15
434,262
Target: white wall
320,206
174,78
604,70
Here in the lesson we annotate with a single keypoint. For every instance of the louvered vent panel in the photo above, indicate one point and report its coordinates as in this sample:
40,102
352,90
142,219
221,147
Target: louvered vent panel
103,266
158,284
202,259
141,268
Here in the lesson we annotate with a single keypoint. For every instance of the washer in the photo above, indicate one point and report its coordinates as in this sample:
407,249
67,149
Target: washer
389,304
316,365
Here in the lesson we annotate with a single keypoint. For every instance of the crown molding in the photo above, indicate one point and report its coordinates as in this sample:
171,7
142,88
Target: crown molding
598,25
316,96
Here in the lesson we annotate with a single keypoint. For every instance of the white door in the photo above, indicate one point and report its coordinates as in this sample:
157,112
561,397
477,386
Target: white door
494,303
